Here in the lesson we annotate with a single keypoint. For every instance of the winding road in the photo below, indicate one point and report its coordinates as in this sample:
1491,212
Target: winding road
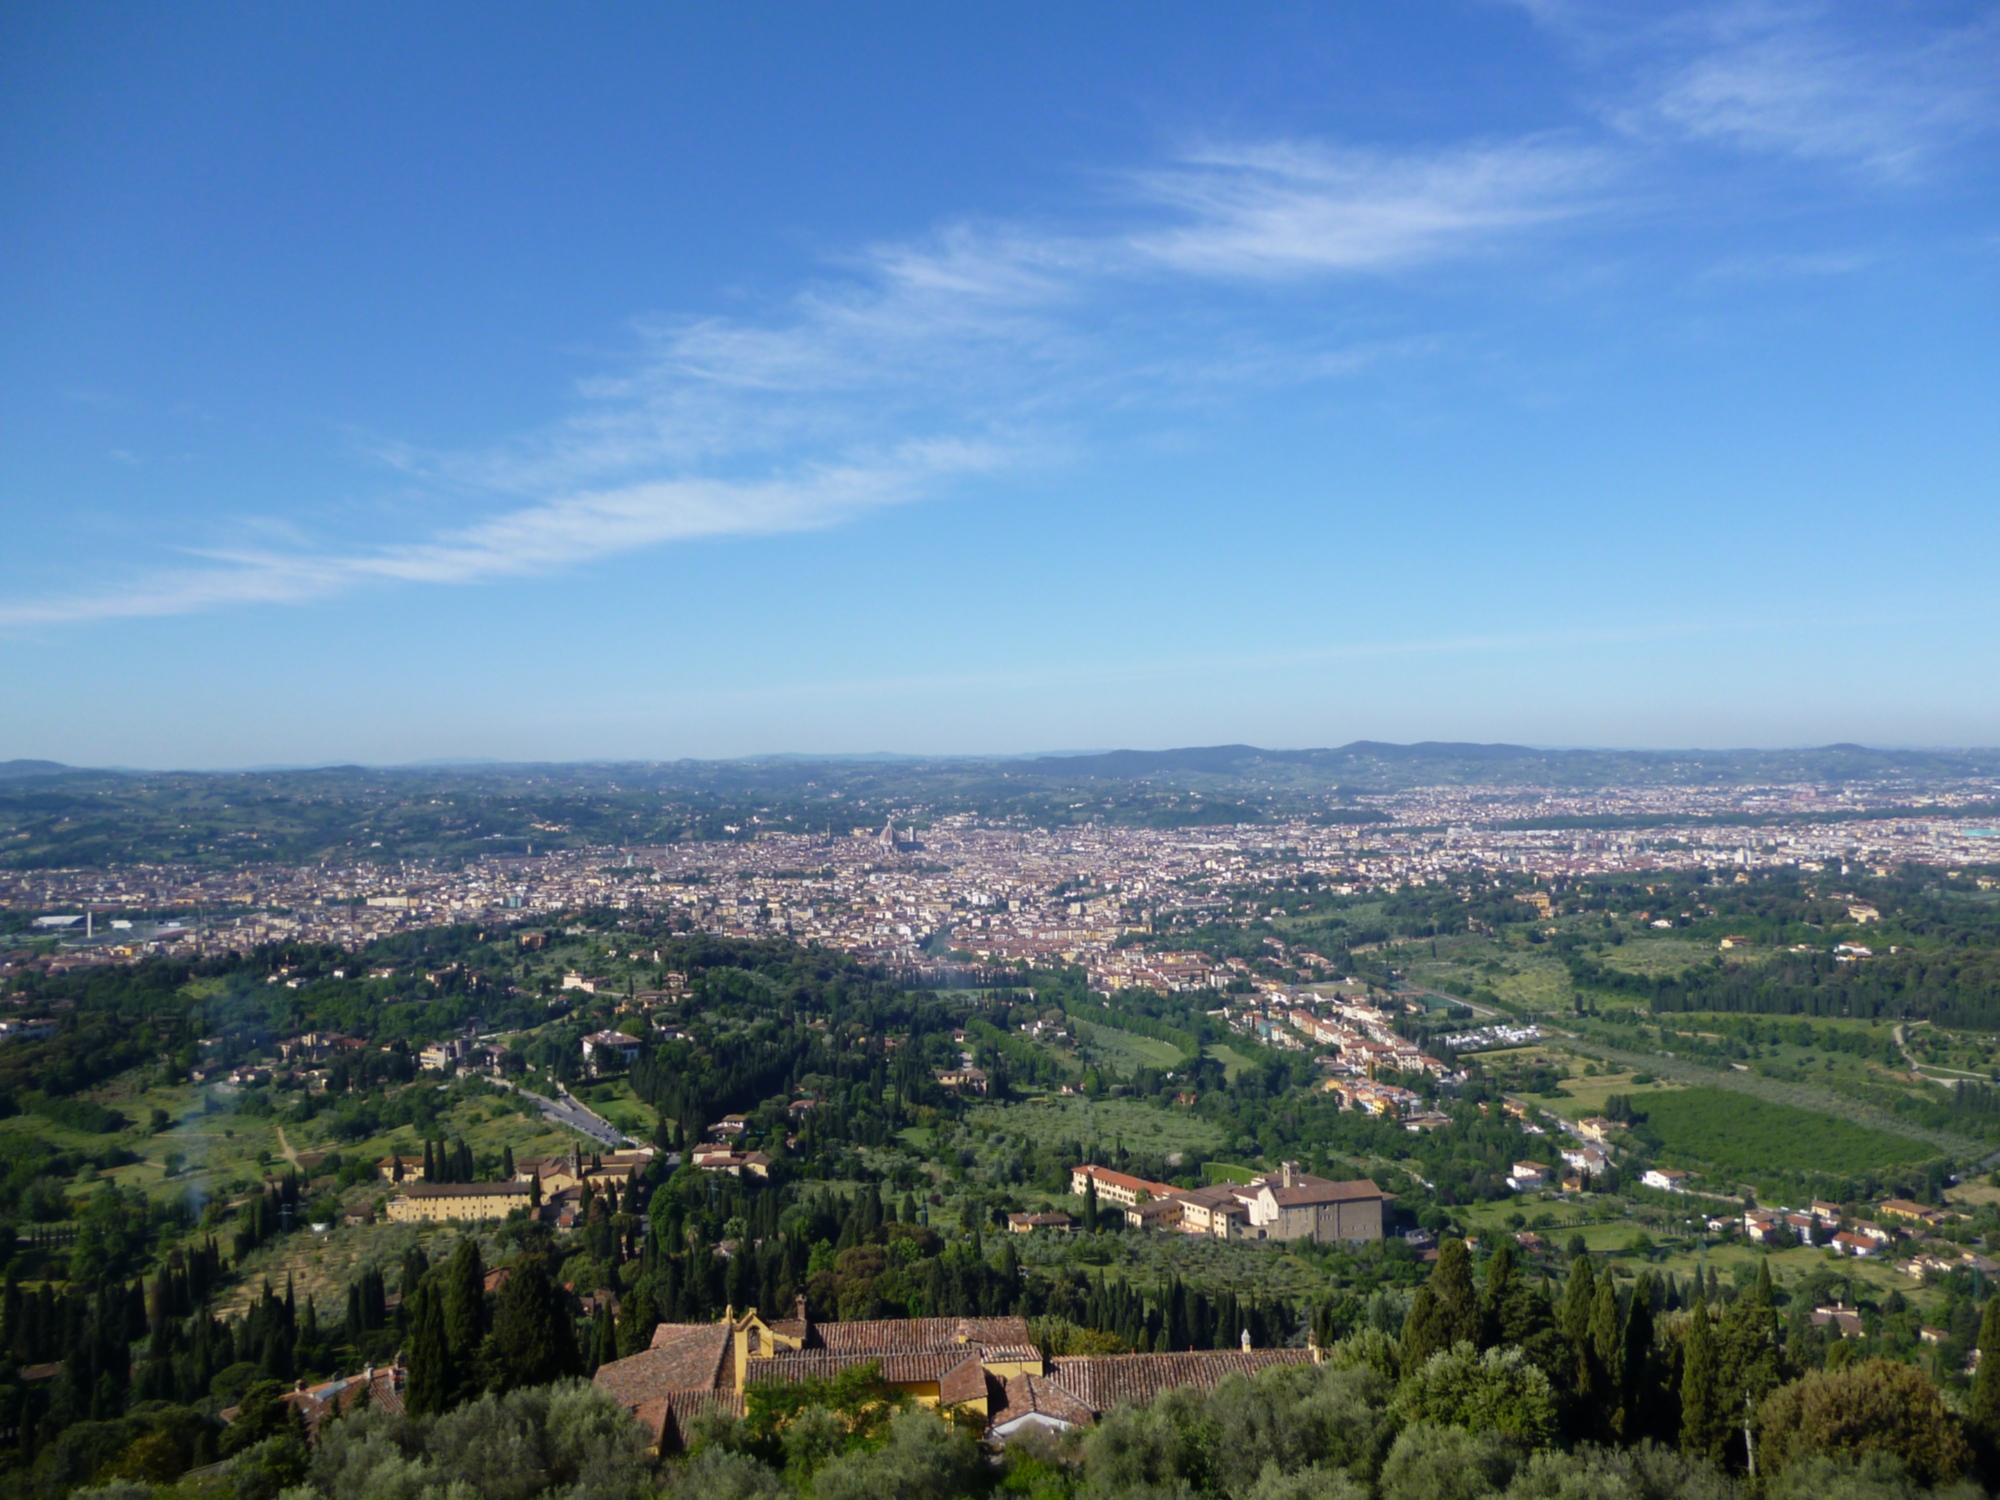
567,1110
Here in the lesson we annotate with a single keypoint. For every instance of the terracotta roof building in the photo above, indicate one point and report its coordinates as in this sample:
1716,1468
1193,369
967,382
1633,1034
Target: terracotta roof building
683,1357
1037,1403
437,1202
669,1420
1102,1381
1117,1187
944,1362
381,1388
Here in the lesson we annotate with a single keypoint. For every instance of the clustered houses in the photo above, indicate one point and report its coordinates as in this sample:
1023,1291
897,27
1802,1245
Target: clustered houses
722,1150
1285,1205
1865,1234
1000,893
1813,1227
984,1369
1363,1035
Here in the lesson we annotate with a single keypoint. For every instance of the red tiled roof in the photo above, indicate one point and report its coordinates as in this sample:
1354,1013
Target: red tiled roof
1040,1395
1306,1191
316,1403
951,1370
883,1334
669,1419
509,1189
684,1357
1128,1182
1102,1381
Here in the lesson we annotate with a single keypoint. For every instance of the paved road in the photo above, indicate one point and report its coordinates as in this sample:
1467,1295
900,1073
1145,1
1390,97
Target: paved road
567,1109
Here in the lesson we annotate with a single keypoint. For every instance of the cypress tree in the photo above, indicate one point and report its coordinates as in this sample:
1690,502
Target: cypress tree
604,1347
464,1313
431,1377
507,1163
1747,1347
1426,1329
430,1163
1984,1407
415,1264
1458,1299
533,1342
1579,1301
1586,1372
636,1322
1638,1399
1495,1295
1604,1325
1702,1419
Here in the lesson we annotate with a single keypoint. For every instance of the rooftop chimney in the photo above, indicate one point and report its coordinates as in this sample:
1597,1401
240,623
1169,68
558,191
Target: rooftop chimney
1290,1168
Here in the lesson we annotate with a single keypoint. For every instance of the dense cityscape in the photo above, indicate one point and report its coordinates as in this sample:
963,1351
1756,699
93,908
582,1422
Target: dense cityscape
957,885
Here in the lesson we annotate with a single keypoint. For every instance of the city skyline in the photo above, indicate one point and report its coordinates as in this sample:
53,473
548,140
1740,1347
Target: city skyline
382,389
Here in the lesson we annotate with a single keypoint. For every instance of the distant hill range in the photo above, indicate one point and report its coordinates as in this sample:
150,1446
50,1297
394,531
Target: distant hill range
1377,762
1366,764
22,770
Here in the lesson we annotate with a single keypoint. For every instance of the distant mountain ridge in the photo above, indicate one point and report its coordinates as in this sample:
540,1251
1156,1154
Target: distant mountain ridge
20,770
1836,761
1833,762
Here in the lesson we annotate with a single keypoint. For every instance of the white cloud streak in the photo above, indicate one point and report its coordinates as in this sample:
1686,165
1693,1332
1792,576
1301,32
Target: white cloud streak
1786,81
535,539
1882,91
912,367
1298,208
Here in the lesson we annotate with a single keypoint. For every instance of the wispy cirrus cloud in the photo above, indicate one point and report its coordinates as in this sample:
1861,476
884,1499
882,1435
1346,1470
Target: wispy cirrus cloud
1295,208
1882,91
1787,80
549,536
908,368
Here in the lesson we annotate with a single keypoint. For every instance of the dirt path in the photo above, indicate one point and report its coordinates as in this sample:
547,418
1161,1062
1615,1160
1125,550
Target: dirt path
285,1148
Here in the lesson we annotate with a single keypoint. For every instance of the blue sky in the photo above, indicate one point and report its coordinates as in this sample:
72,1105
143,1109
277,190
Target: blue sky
384,383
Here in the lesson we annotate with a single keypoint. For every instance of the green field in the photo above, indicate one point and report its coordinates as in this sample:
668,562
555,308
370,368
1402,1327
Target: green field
618,1104
1099,1123
1734,1132
1233,1062
1125,1052
1222,1171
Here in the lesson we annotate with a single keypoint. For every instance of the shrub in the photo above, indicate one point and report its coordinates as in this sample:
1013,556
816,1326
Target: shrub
1874,1407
